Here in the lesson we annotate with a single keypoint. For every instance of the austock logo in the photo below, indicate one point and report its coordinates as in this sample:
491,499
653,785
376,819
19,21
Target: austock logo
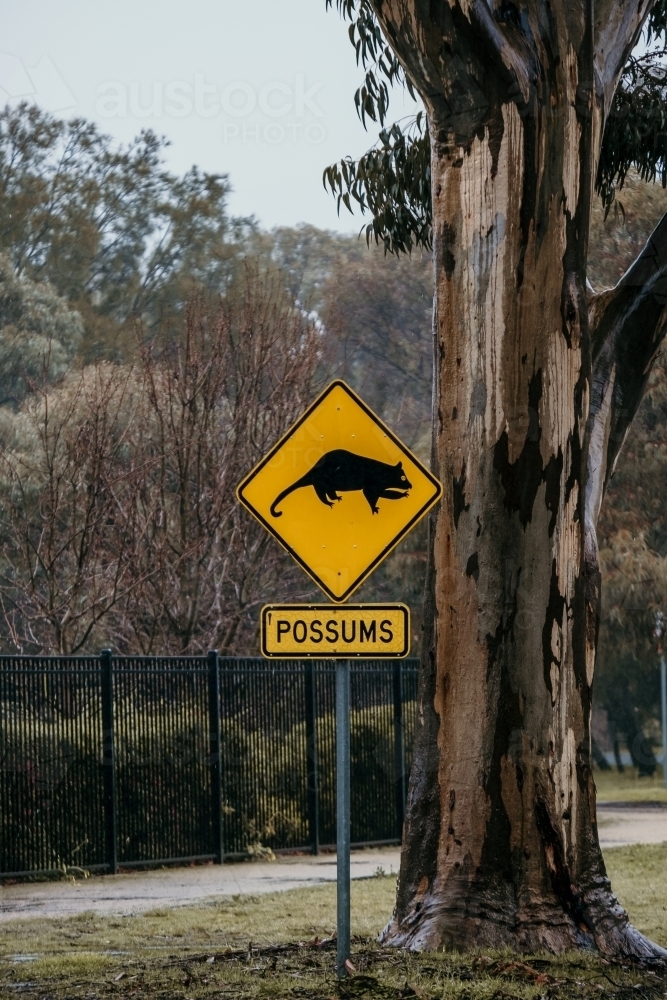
42,84
275,112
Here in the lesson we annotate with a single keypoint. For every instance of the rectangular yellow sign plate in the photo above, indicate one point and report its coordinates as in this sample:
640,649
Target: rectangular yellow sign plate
339,491
325,631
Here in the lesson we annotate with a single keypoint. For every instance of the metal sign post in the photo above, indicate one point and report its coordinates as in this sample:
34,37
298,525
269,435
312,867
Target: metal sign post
339,491
658,633
343,815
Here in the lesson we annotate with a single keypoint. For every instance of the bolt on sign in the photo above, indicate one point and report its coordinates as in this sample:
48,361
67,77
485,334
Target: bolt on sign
335,632
339,491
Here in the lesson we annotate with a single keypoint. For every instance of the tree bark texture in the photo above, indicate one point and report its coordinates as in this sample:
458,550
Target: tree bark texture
535,388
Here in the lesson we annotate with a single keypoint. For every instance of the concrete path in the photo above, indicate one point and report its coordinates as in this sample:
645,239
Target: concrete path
619,826
150,890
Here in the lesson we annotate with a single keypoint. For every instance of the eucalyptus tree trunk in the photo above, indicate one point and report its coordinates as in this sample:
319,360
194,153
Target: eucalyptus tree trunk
536,384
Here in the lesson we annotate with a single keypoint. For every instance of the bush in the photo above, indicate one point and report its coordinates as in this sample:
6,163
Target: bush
51,782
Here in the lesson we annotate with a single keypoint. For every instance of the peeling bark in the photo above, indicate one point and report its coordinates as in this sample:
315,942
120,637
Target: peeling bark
533,394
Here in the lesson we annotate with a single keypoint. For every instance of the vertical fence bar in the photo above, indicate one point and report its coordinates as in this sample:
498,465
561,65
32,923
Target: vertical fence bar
399,747
214,753
342,814
310,691
108,762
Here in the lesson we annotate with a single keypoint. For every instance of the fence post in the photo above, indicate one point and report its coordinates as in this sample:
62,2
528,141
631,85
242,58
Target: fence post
311,757
399,747
214,753
108,762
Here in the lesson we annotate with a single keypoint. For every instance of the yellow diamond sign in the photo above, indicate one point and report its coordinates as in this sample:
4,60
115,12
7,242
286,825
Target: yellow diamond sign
339,491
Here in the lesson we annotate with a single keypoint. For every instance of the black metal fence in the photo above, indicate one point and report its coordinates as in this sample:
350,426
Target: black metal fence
109,761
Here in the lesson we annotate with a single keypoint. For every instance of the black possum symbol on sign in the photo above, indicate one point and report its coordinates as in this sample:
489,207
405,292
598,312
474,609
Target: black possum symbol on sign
345,471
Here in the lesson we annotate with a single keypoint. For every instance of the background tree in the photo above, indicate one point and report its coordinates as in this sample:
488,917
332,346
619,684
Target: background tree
536,385
118,520
373,311
38,332
115,234
214,400
67,533
57,177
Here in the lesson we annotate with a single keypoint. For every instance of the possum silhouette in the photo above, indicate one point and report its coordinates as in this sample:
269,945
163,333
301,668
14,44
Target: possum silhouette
345,471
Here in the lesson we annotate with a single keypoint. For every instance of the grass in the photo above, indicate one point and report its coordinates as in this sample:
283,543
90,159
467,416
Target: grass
279,946
639,877
628,787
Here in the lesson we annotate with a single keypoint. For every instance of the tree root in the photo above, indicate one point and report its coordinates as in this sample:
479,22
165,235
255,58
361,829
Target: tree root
601,925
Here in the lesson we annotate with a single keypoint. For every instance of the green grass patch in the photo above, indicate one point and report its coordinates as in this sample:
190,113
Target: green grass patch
276,918
629,787
639,877
279,945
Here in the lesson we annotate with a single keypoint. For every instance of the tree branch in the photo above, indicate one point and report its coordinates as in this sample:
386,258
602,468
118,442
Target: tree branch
627,324
618,26
456,55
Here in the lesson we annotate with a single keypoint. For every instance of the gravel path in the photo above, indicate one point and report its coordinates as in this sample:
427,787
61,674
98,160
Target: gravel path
619,824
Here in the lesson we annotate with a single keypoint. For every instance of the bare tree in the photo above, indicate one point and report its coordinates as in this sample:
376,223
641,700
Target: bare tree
213,404
118,517
68,533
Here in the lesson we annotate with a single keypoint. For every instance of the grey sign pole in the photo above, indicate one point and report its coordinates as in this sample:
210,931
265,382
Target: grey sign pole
343,814
663,684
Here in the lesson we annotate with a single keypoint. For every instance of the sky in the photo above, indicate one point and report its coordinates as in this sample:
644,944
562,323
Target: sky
261,90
